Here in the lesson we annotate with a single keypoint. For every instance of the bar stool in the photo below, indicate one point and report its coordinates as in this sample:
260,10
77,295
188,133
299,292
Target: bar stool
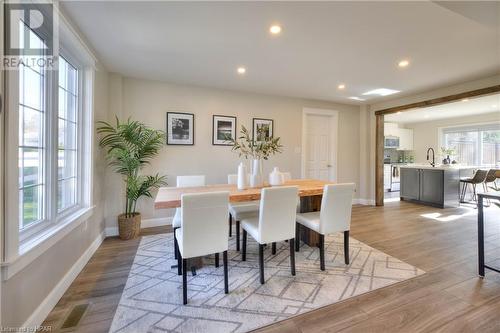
491,177
478,178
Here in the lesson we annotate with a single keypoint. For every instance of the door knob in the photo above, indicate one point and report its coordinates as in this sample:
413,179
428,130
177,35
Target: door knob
329,165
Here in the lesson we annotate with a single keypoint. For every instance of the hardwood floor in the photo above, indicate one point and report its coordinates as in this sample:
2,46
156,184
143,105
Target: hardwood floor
448,298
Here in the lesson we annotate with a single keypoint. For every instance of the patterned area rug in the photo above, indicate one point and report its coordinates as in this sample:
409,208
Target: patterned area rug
152,299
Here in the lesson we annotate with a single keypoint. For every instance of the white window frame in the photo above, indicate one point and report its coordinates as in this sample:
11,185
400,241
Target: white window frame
23,246
479,127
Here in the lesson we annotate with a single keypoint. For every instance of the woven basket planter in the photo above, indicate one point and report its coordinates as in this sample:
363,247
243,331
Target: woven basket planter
129,227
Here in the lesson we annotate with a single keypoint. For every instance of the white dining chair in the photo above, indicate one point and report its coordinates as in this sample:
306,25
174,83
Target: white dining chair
240,210
275,223
203,231
334,216
185,181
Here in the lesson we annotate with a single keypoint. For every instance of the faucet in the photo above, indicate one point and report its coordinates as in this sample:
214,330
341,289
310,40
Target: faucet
433,163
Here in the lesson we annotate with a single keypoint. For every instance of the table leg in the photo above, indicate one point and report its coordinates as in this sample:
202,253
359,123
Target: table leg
480,236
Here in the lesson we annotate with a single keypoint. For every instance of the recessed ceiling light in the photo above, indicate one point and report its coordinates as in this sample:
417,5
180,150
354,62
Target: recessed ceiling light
381,92
241,70
426,116
465,100
341,86
399,112
494,106
404,63
275,29
356,98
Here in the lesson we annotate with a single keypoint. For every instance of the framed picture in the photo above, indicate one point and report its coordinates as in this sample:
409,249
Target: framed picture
180,128
262,129
223,130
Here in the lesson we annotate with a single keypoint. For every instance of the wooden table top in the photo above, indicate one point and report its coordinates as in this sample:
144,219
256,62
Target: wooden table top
170,197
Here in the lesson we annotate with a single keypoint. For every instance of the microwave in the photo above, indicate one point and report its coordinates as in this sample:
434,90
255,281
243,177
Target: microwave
391,142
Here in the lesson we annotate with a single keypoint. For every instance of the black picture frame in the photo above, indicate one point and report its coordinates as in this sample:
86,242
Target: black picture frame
172,140
255,124
216,141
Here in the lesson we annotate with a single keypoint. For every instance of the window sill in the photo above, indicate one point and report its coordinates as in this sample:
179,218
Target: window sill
33,248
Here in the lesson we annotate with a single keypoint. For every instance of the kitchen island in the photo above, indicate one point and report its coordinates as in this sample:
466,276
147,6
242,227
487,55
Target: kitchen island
437,186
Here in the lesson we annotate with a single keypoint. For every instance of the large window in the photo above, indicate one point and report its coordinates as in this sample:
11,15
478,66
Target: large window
50,131
48,119
474,145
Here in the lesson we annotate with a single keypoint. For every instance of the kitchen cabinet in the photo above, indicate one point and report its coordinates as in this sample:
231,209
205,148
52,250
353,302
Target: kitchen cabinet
410,183
405,139
391,129
431,186
437,187
405,135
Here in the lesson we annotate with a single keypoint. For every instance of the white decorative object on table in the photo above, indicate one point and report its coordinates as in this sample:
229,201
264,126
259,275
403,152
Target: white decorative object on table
256,176
257,150
242,177
276,178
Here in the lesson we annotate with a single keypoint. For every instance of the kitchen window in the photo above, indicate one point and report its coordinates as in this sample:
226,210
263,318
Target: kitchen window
474,144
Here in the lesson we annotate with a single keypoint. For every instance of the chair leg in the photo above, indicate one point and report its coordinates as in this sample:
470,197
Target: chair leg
297,237
176,245
179,261
184,281
230,226
244,246
462,192
322,252
226,282
474,197
466,187
273,250
217,260
261,263
292,255
346,247
237,235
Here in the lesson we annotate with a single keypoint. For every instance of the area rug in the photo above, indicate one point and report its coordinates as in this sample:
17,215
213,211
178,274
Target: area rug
152,298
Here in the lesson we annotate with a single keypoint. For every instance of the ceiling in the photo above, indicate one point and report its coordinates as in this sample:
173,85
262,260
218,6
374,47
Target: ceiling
467,107
322,44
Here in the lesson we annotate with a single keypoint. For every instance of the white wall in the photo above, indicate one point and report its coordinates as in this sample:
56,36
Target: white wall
426,134
148,101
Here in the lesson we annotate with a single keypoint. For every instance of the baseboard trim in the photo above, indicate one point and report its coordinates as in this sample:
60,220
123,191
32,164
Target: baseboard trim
42,311
367,202
147,223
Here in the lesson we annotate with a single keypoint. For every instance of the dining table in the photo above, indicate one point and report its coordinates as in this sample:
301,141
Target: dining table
310,192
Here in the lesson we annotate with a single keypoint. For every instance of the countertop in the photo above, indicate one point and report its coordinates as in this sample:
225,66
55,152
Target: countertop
440,166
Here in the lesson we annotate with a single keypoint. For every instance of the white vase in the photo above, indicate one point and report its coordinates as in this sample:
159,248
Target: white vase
256,176
242,177
276,178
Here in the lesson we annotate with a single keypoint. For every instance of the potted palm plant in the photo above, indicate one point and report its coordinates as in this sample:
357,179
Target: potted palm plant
130,146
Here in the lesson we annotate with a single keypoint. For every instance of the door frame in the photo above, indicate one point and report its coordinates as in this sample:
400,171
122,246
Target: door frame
334,125
379,129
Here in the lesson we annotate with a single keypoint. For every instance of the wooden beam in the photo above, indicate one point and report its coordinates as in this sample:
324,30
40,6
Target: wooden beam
440,100
379,161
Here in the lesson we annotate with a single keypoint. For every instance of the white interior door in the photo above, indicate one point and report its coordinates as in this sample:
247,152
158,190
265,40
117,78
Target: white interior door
318,163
